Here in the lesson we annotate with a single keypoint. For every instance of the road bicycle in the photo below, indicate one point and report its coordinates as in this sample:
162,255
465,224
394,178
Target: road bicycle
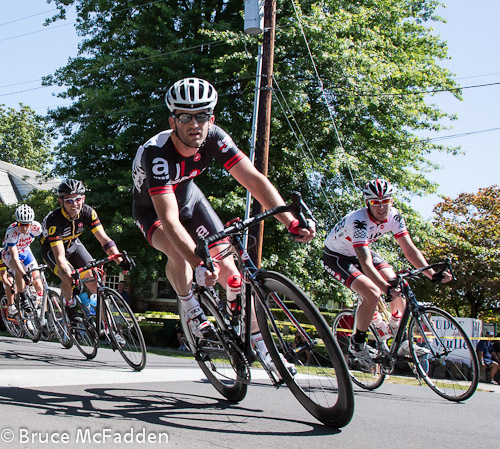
112,319
429,339
50,312
321,384
11,322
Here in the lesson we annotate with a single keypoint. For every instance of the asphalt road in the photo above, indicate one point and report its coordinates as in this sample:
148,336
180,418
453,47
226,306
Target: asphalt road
52,398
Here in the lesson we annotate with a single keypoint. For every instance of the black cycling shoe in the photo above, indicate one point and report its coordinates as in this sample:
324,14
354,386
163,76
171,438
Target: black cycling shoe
27,306
73,317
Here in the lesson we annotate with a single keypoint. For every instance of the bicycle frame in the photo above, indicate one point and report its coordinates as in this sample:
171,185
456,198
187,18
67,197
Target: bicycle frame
250,272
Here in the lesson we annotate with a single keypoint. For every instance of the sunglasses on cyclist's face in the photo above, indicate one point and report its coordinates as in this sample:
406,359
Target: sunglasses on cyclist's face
76,199
23,224
379,202
185,118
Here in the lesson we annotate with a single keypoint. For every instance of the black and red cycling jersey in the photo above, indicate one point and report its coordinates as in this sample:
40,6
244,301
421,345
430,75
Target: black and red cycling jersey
158,168
58,227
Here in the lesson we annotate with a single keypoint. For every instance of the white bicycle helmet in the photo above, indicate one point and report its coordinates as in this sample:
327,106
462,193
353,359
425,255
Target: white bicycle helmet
378,188
193,94
24,214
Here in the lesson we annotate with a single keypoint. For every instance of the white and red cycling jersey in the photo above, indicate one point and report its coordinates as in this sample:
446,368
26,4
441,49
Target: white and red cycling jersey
14,237
359,228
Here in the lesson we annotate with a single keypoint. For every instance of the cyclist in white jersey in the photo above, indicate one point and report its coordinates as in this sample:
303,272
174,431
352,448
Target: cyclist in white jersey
16,252
348,258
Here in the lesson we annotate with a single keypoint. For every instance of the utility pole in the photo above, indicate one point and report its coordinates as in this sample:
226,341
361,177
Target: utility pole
264,118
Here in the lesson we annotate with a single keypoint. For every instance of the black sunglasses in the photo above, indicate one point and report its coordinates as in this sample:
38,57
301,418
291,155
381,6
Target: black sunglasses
201,117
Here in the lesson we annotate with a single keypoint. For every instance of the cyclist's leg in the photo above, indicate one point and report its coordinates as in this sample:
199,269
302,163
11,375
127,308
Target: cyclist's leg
397,304
346,270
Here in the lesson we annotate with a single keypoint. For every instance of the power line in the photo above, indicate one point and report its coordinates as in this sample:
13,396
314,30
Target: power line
470,133
27,17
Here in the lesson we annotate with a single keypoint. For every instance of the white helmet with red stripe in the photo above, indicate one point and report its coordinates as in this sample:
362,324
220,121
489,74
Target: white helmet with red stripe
378,188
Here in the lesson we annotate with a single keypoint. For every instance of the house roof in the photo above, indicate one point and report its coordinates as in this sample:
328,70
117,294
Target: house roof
16,183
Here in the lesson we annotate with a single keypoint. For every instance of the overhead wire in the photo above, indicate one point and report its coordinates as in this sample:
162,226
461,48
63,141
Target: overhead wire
326,100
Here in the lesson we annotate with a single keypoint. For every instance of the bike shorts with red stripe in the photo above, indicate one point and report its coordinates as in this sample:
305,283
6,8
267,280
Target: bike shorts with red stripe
197,216
346,268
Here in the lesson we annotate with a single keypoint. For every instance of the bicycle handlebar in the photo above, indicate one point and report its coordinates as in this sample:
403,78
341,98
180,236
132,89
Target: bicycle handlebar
442,266
97,263
297,207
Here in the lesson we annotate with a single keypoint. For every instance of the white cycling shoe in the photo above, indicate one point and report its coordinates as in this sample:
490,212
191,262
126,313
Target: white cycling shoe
404,349
270,364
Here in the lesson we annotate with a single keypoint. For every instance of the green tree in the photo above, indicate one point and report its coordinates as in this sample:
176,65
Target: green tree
377,60
24,138
468,230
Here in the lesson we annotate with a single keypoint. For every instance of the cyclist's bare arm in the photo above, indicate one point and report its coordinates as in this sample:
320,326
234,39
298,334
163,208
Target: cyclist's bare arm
416,258
103,239
14,254
266,194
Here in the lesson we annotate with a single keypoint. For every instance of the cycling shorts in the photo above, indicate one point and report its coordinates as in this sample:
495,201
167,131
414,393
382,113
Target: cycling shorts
77,256
26,258
196,215
345,268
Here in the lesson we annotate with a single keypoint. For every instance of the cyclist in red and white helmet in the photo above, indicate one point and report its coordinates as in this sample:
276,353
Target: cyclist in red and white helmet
171,210
348,258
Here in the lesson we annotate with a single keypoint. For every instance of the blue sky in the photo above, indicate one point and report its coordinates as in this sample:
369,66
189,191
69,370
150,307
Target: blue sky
29,51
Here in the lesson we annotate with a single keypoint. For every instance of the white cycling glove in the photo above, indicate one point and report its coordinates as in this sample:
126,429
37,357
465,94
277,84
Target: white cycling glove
200,274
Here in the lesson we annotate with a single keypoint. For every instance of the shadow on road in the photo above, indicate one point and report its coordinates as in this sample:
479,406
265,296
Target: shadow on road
166,408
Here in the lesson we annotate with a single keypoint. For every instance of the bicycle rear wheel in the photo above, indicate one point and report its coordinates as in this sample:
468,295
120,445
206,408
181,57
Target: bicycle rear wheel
342,331
451,368
58,321
322,385
124,329
11,322
219,357
84,333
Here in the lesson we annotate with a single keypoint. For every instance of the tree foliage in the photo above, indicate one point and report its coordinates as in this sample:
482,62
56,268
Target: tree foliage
377,60
24,138
469,231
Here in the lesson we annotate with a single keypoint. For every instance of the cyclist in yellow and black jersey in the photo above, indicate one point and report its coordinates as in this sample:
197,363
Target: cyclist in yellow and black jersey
62,249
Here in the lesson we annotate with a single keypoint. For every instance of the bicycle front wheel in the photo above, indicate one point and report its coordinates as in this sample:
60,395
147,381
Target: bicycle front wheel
369,379
57,320
443,353
84,333
124,329
11,322
322,383
219,357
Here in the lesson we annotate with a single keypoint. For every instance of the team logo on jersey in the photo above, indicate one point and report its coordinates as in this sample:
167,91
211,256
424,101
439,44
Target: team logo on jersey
225,144
202,231
160,168
52,230
197,157
359,229
94,215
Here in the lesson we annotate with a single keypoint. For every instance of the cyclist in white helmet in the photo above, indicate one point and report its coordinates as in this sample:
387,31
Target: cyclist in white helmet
170,209
348,258
17,255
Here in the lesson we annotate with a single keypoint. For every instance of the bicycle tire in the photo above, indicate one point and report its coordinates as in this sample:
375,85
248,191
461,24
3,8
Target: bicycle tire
323,386
84,333
456,379
219,358
124,329
29,320
342,331
11,323
58,321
